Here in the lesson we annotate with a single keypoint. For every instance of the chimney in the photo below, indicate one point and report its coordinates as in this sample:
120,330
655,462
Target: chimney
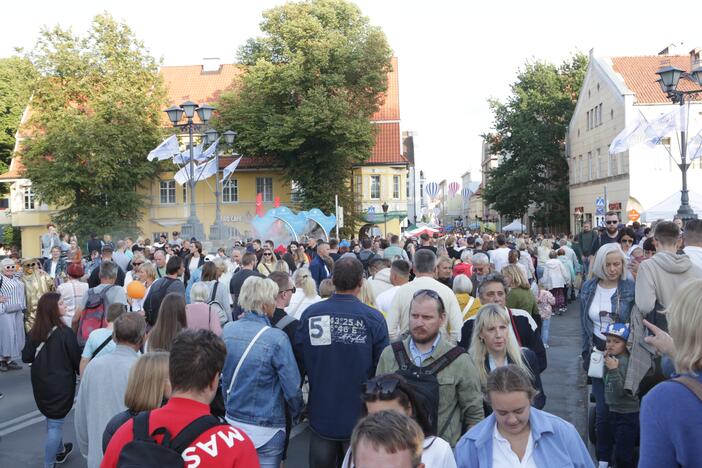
671,49
211,64
695,58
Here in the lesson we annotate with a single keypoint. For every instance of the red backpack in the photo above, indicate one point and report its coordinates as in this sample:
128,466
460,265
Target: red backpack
94,315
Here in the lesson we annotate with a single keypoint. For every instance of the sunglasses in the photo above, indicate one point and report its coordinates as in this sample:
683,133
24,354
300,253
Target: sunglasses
380,387
10,267
628,241
293,290
612,222
32,264
431,293
137,263
267,254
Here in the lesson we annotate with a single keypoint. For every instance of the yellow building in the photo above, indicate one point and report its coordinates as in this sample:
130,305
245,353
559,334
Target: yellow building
383,178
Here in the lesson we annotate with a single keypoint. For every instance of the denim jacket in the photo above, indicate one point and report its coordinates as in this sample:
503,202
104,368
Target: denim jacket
556,443
268,377
622,301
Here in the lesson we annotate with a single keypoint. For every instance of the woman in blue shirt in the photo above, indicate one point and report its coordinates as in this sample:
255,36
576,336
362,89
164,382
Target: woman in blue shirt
671,413
516,434
260,375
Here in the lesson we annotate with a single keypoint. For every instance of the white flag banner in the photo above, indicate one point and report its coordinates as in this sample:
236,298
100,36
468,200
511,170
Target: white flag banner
209,152
184,157
230,169
166,150
694,146
630,136
661,127
201,171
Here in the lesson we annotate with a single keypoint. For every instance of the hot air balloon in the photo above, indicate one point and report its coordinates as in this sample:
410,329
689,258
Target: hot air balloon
431,189
466,192
453,188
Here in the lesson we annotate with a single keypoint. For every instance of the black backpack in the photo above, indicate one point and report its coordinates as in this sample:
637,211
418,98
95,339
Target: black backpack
424,382
145,452
154,299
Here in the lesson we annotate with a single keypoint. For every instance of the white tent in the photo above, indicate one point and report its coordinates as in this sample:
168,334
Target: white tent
515,226
667,208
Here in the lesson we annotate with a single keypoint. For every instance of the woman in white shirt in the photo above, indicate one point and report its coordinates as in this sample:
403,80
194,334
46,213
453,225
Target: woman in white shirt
391,392
73,290
305,293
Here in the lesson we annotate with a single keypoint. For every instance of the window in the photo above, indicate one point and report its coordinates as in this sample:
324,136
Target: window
28,198
185,193
396,186
588,120
589,165
600,113
611,114
264,186
580,168
375,187
600,164
358,185
230,191
168,192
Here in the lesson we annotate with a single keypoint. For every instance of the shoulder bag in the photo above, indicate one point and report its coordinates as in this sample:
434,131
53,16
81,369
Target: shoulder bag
243,358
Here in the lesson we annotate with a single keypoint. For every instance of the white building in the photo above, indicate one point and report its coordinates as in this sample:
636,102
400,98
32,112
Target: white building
617,91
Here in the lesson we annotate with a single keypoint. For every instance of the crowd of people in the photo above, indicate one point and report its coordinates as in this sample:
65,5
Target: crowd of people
397,352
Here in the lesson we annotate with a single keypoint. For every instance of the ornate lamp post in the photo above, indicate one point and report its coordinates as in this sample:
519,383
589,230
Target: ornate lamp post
219,230
669,78
193,226
384,206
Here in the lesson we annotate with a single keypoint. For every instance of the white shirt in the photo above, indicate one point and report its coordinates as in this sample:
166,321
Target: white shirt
695,254
504,457
602,301
299,302
384,299
259,435
499,258
436,454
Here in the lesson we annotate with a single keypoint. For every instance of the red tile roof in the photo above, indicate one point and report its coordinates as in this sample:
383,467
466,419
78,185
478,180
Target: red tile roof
639,74
390,109
16,170
387,145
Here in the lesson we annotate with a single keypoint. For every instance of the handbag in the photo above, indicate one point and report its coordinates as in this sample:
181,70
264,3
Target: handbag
596,367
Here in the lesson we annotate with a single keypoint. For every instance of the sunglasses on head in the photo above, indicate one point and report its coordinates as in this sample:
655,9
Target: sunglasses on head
383,386
430,293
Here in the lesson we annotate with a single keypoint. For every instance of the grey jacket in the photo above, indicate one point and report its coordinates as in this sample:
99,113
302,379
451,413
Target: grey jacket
100,397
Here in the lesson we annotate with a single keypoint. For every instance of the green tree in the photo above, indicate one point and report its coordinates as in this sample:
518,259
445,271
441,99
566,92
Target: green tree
17,77
530,130
96,114
311,84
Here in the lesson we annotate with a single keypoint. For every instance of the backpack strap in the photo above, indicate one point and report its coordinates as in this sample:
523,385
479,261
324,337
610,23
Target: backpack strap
140,427
514,327
214,291
284,322
192,431
471,300
101,347
403,360
443,361
693,385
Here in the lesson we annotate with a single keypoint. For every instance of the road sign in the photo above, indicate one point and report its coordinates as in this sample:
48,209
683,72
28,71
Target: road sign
371,213
340,217
600,206
634,215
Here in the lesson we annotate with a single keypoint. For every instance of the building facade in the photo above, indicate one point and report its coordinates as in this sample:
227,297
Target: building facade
616,92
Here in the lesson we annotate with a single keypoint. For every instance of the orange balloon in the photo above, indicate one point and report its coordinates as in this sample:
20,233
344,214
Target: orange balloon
136,290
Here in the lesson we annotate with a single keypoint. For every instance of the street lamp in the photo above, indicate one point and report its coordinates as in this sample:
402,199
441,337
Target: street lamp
218,230
668,81
384,206
193,226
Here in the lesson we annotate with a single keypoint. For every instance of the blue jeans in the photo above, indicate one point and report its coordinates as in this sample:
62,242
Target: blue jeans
271,453
545,325
626,427
54,441
603,423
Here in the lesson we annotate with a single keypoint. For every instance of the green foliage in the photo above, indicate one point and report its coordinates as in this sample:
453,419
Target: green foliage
530,137
96,114
11,236
17,77
311,84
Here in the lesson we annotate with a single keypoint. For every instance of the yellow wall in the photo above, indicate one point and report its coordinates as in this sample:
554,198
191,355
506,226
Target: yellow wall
362,192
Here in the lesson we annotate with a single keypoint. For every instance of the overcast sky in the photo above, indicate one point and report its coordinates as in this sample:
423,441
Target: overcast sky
453,55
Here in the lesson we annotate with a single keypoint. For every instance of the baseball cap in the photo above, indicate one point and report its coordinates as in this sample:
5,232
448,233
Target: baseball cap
209,257
344,243
620,330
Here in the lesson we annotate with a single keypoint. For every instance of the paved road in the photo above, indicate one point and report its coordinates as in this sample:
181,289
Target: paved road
22,430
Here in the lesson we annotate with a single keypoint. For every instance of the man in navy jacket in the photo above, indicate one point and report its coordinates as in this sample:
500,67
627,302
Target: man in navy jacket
340,341
318,267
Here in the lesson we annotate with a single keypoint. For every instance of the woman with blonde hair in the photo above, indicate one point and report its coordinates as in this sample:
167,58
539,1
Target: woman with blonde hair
671,413
282,265
366,295
266,265
494,345
520,295
305,293
148,388
146,273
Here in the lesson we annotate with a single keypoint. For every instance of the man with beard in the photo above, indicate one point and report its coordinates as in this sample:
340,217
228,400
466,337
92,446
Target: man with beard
460,397
610,235
481,269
